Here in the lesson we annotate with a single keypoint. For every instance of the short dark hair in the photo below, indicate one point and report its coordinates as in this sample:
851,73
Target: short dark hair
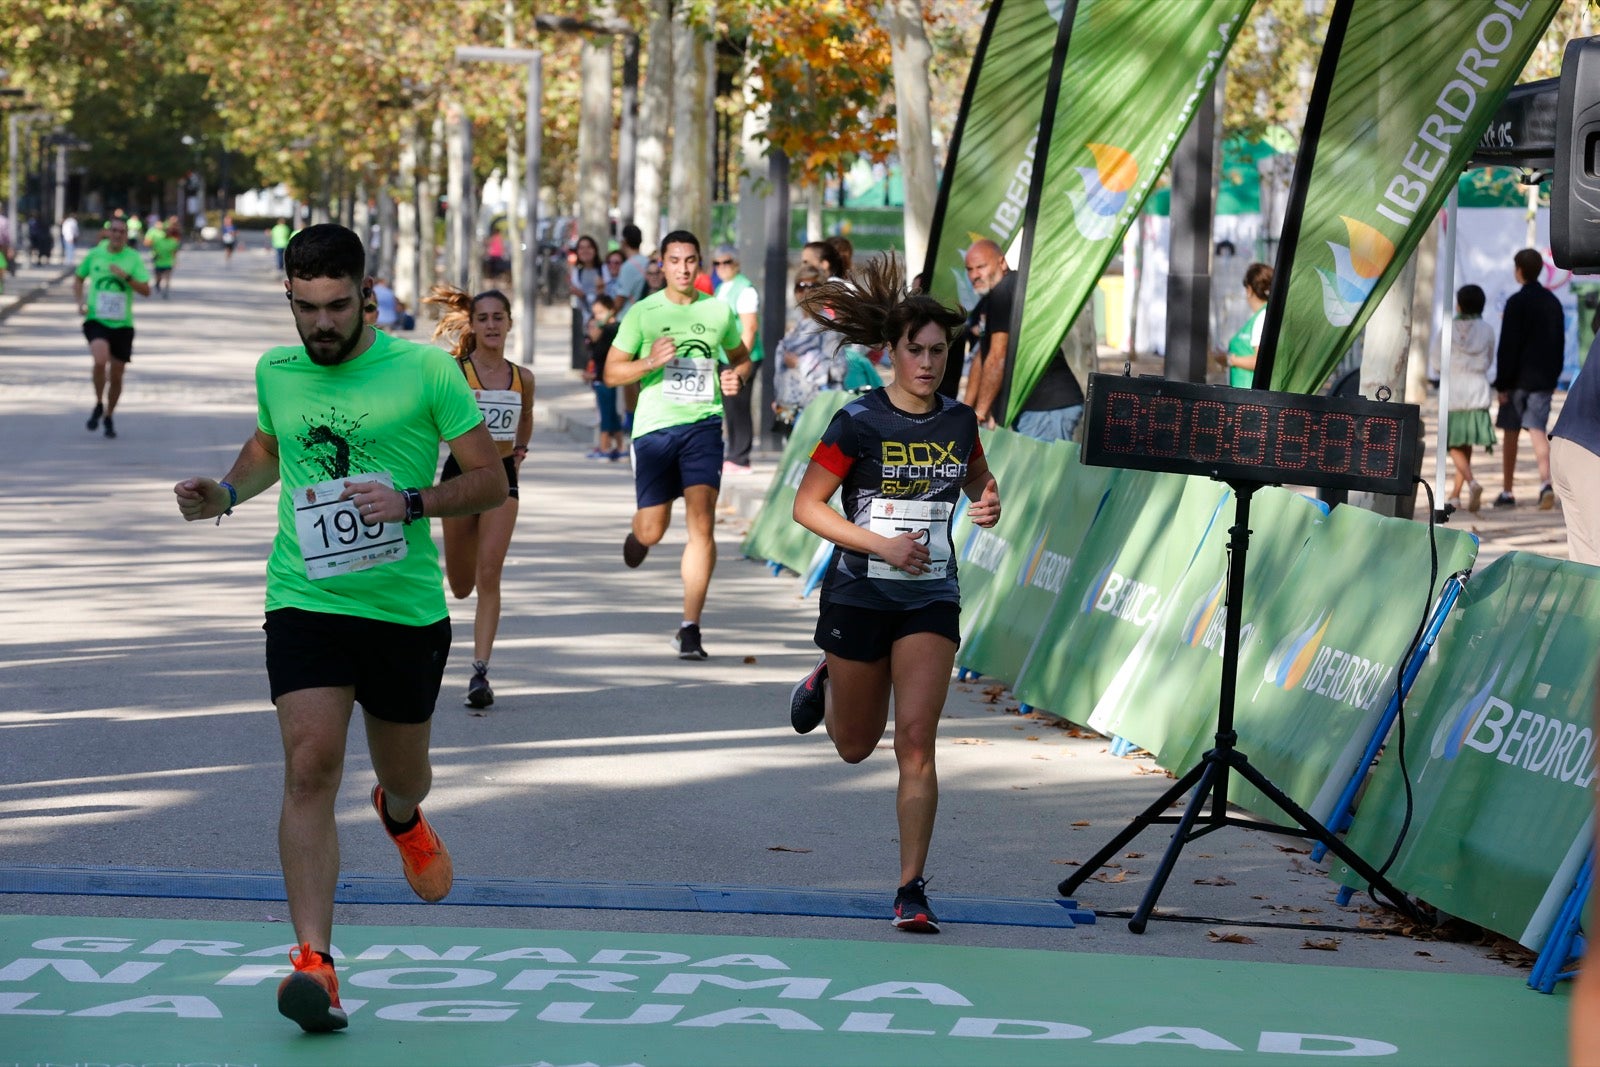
1471,300
680,237
606,301
1530,264
326,250
632,236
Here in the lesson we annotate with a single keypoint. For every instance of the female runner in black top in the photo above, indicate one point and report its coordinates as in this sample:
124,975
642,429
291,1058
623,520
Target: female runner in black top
890,606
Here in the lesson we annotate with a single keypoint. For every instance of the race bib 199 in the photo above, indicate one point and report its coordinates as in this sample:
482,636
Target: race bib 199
686,380
501,408
926,520
334,539
110,305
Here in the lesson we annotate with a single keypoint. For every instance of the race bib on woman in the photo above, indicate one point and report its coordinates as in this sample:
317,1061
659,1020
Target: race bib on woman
925,520
502,408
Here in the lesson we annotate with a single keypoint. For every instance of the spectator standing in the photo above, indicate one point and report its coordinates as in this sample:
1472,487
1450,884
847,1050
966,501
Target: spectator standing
1575,461
631,280
585,281
1527,368
1471,356
69,240
739,293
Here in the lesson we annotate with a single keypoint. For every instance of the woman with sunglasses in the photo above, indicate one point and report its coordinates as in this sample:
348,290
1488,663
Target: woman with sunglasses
889,620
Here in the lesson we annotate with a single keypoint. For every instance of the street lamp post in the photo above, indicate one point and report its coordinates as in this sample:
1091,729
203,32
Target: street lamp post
26,118
532,59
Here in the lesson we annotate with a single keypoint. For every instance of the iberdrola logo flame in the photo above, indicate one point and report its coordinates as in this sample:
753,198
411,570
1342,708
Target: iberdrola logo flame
1294,654
1453,730
1356,271
1105,191
1198,621
1097,587
1035,554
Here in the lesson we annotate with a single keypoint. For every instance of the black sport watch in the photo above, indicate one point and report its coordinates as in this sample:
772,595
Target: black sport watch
413,499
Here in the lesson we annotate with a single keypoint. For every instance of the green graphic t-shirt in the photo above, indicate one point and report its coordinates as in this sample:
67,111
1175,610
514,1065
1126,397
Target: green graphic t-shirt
686,390
109,299
164,252
378,417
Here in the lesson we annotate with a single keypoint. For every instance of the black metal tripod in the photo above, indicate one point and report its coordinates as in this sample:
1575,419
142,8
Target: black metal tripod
1209,777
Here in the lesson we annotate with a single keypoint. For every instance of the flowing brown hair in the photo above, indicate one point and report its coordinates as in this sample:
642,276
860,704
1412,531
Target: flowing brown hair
456,315
874,308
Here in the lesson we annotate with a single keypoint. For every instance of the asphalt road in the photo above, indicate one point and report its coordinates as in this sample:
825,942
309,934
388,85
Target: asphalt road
136,729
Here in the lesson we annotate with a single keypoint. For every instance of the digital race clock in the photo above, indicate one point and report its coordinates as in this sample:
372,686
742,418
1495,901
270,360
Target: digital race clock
1251,435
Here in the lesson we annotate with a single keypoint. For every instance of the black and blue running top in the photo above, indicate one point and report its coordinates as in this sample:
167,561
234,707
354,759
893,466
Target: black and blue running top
901,472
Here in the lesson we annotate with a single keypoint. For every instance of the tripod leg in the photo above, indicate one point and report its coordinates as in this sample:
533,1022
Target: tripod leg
1209,768
1315,829
1144,819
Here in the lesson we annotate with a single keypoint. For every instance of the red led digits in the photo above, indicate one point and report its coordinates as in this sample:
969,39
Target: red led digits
1293,440
1250,422
1336,448
1166,425
1382,441
1207,421
1122,422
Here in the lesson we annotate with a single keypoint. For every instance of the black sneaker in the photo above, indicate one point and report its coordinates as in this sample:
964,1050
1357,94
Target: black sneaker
479,695
1505,500
911,911
634,550
111,431
94,417
1547,498
806,702
687,643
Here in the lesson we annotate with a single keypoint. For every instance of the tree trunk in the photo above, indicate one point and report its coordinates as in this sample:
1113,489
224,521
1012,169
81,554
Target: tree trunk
628,127
754,187
386,235
655,112
1387,339
458,233
594,135
814,197
689,206
908,39
407,281
428,206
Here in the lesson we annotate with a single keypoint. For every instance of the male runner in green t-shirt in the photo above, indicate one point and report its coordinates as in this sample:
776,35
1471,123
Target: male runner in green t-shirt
163,243
350,422
279,238
671,343
111,273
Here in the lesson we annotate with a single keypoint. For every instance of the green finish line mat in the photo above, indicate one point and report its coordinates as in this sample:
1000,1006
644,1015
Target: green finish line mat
82,990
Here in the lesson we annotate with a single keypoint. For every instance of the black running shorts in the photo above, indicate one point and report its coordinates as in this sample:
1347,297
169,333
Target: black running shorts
452,469
120,338
867,634
395,669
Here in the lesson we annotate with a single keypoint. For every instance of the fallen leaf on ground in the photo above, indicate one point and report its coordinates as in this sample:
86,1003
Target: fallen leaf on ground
1291,848
1419,952
1321,944
749,659
1030,737
1215,879
1068,863
1109,876
1081,822
1019,727
785,848
993,693
1133,855
1231,939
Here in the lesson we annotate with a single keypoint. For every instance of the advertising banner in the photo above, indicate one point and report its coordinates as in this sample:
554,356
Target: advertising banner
1138,547
1043,518
774,535
1414,89
1321,662
1133,77
985,186
1164,696
1500,748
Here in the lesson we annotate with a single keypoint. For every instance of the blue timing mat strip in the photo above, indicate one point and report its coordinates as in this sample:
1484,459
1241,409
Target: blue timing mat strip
533,893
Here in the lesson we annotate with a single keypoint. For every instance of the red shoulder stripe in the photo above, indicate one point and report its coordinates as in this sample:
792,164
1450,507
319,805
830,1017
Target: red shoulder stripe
832,459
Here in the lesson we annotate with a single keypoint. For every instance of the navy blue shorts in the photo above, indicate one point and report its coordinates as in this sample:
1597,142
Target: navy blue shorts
667,461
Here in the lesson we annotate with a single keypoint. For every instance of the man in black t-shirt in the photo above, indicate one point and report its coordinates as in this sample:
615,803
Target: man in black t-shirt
1052,410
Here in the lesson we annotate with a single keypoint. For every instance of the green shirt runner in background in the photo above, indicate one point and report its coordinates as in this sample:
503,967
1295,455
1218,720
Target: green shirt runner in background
164,252
108,299
686,390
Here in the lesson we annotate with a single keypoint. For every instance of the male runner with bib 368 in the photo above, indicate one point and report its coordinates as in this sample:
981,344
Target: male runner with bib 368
890,611
351,421
672,343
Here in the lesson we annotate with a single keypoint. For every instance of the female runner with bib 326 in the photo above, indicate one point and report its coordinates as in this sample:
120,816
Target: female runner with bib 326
890,604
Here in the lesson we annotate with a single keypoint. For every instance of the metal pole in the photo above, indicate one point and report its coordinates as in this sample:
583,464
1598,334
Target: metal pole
11,171
527,280
1447,268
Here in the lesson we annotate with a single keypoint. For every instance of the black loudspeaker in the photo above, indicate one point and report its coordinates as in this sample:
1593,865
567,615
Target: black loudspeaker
1575,185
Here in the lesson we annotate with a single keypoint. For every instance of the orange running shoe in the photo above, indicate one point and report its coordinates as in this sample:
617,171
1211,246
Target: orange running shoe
310,996
422,855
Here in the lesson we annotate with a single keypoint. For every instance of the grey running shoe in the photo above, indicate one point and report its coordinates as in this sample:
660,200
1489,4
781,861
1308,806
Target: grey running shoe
911,911
807,702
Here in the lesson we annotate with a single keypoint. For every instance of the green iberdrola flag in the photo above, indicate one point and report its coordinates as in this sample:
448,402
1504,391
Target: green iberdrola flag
1415,86
985,186
1134,74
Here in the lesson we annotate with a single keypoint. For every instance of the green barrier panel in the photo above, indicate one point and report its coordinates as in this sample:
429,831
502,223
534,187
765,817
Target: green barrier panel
1500,748
1131,560
1042,540
1031,474
1320,666
774,535
1164,696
